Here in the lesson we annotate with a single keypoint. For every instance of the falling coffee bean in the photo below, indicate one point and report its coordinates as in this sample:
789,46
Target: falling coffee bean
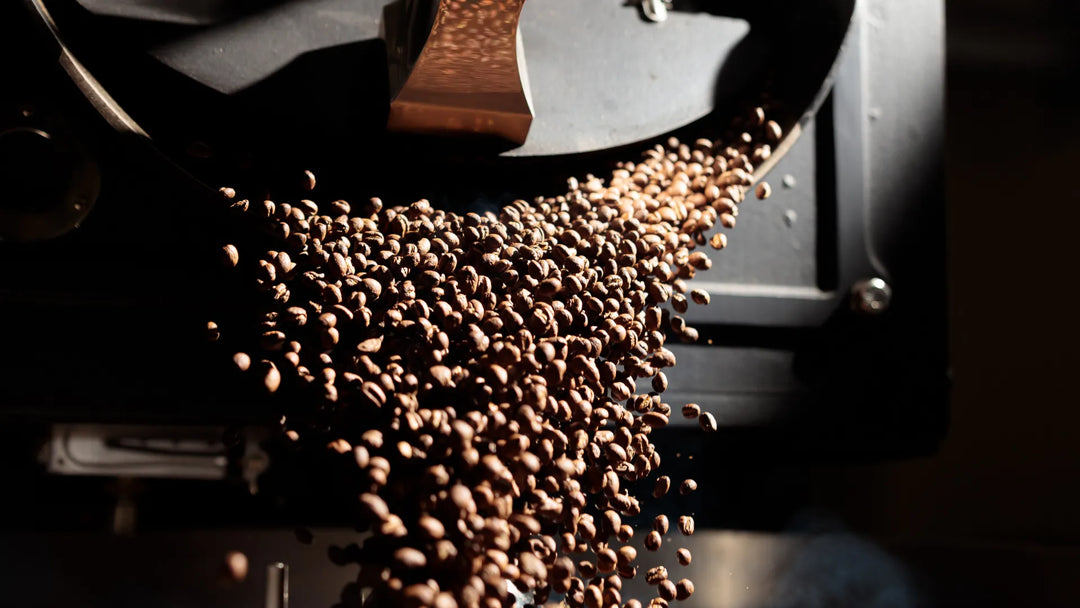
482,368
235,566
686,525
684,556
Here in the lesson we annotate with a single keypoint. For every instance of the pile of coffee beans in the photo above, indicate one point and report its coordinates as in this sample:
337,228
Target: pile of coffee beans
481,370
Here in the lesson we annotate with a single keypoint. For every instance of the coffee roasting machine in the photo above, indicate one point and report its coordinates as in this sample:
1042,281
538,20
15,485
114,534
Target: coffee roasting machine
825,339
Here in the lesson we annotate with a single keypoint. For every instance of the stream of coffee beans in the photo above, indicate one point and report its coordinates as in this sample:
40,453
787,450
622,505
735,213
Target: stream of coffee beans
481,370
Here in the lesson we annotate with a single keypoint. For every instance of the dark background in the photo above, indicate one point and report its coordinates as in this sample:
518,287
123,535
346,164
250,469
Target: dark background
993,519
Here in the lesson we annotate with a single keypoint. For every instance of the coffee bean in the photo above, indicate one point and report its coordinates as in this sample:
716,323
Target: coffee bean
594,598
707,422
718,240
688,486
431,527
340,446
655,576
271,376
482,367
653,541
691,410
773,131
626,555
235,566
667,590
360,453
606,560
660,382
654,419
686,525
684,556
661,486
763,190
661,524
230,256
410,558
586,568
684,589
213,332
242,361
375,506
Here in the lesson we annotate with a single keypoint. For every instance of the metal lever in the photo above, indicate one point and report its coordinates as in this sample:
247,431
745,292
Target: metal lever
468,78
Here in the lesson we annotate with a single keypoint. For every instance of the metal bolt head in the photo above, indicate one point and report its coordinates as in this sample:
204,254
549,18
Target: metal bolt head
871,296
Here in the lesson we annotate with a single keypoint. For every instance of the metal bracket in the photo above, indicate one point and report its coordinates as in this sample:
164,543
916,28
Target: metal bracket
469,77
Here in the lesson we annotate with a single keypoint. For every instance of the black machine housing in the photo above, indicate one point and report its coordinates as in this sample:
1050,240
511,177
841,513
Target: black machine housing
825,338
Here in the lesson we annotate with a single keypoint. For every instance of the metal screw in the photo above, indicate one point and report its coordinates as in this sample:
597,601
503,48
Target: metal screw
871,296
656,10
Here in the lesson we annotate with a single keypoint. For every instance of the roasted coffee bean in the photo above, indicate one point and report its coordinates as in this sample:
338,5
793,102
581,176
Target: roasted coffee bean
654,576
691,410
707,422
606,559
718,240
763,190
213,332
661,524
655,419
773,131
684,589
410,558
481,368
230,256
242,361
667,590
686,525
684,556
432,528
235,566
688,486
661,486
660,382
586,568
594,597
271,377
375,506
653,541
